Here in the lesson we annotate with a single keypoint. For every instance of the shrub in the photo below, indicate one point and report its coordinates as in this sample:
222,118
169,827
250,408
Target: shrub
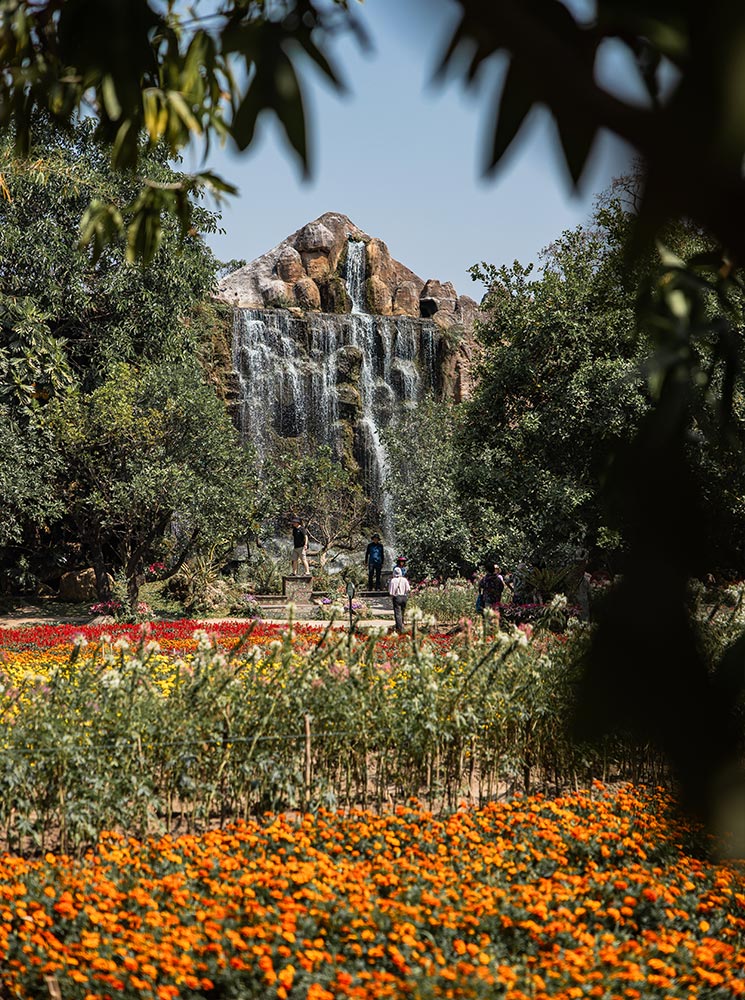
337,608
448,601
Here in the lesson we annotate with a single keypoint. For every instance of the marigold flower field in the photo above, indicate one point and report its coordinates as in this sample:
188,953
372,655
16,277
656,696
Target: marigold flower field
168,803
589,895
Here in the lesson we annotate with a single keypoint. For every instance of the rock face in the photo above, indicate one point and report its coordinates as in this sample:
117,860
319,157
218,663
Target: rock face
308,272
334,340
79,585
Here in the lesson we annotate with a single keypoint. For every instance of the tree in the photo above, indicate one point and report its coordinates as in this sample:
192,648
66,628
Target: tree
311,484
426,501
27,472
162,71
152,468
566,435
66,321
62,312
560,384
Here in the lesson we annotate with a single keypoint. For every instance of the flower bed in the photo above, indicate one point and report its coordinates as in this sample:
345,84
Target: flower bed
207,727
591,895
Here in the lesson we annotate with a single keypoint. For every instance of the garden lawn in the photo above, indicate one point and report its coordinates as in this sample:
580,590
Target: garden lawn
591,895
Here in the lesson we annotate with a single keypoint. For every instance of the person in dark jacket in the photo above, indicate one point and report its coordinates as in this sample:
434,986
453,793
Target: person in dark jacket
374,561
491,587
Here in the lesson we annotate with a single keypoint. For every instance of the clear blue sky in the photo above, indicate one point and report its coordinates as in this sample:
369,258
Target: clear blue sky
403,160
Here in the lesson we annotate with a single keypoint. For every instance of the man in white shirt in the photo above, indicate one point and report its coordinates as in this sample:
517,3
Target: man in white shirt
399,588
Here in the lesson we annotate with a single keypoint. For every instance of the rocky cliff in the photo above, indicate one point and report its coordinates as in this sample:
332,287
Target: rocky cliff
311,271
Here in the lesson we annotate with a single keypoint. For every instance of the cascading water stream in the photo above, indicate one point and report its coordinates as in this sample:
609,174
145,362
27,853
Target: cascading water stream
318,375
355,274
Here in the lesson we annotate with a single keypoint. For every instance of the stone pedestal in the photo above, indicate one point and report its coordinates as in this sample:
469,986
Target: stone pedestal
297,588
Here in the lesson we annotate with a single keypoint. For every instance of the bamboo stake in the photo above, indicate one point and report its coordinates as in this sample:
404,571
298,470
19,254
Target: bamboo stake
306,790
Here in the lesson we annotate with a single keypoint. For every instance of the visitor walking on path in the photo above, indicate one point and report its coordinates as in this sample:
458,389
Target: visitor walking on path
374,562
299,546
491,587
399,588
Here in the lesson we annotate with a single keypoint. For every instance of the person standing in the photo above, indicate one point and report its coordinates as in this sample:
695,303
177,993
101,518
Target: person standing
491,587
401,564
399,588
299,546
374,562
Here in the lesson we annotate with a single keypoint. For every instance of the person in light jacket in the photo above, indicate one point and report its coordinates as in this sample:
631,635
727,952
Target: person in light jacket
399,588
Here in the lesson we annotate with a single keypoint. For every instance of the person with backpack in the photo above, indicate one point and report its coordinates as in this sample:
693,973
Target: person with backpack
374,562
491,588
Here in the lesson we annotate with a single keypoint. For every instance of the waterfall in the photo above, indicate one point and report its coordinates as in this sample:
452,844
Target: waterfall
311,376
355,274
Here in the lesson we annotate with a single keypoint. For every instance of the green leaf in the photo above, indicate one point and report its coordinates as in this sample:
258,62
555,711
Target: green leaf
110,100
517,98
182,109
215,182
668,258
100,224
125,148
320,60
244,121
290,109
577,137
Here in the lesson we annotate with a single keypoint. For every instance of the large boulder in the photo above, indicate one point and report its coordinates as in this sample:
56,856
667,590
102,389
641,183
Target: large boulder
379,296
458,369
348,363
275,293
334,296
437,297
378,260
290,265
79,586
306,293
384,403
315,236
316,264
466,310
406,300
349,400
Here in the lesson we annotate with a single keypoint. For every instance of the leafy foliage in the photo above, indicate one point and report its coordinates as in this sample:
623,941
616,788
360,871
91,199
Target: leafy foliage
162,71
559,385
423,483
310,483
686,60
26,475
64,314
153,466
689,131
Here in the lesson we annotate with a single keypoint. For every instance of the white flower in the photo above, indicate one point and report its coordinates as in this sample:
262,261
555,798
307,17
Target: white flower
111,679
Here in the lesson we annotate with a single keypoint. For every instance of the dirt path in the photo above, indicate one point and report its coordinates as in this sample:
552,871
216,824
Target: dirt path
31,615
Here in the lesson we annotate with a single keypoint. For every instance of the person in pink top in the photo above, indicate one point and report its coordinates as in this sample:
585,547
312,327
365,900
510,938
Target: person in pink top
399,588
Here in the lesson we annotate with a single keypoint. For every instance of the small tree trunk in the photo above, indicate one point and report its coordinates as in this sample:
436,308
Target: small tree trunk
134,582
103,579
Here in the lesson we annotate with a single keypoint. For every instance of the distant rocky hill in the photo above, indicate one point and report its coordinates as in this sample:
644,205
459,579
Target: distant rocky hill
308,271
